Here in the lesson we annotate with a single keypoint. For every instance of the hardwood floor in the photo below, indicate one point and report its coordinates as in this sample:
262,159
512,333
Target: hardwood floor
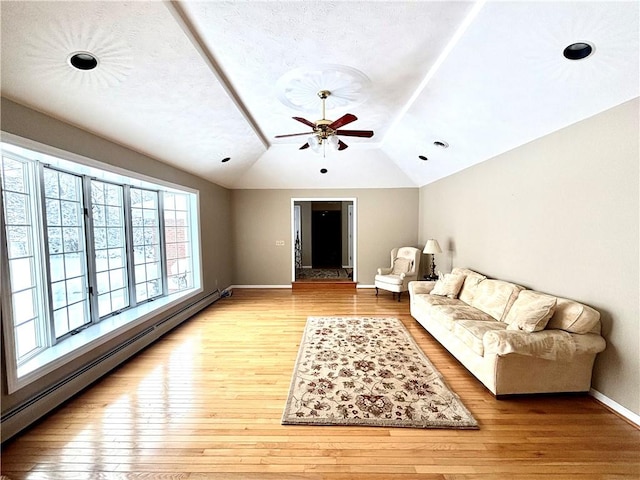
206,400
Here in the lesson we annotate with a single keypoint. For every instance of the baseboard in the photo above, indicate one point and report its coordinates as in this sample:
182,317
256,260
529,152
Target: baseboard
365,286
260,286
616,407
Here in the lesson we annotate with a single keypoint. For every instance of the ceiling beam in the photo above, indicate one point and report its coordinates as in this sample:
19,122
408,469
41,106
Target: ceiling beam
201,47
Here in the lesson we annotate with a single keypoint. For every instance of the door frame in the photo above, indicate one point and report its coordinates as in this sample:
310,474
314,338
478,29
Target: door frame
354,229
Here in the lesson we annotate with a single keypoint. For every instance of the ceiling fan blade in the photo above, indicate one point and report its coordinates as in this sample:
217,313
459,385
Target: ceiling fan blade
343,120
342,145
305,121
355,133
306,145
293,135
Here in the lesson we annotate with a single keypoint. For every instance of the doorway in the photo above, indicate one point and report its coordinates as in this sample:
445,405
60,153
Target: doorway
323,236
326,239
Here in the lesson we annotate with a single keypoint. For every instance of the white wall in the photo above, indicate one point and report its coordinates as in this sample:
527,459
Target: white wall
559,215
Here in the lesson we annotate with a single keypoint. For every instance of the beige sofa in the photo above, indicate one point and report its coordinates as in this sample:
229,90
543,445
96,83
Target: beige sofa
513,340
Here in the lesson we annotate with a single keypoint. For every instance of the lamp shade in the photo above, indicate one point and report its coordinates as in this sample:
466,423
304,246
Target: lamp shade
314,143
432,246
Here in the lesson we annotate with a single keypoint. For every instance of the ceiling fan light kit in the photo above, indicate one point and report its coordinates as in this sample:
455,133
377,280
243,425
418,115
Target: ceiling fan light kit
326,131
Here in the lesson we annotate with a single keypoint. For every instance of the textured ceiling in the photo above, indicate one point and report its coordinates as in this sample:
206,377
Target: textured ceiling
191,83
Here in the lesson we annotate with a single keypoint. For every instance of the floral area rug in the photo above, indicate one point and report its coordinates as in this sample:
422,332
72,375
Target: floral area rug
368,372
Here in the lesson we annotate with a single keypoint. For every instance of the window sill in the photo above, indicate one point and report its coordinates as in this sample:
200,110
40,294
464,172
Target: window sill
89,338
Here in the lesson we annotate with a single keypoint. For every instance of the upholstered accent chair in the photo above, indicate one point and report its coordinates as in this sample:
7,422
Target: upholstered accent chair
405,264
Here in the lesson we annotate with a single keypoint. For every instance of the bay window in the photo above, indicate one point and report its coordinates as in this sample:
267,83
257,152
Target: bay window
86,248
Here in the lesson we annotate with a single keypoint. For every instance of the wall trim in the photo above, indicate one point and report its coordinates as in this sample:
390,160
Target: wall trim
261,286
616,407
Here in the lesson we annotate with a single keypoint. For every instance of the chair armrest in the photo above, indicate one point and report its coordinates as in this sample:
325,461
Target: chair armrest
417,287
548,344
384,271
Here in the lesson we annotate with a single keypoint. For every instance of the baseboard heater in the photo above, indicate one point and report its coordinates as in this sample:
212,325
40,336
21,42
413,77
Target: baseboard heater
21,416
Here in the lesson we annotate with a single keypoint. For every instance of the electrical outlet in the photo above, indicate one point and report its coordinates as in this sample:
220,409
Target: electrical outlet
279,243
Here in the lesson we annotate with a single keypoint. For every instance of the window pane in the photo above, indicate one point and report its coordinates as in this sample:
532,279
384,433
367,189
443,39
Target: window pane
100,237
13,172
102,280
16,208
68,272
104,304
75,290
70,213
73,265
77,315
58,295
141,273
110,246
53,212
117,278
51,188
26,338
146,235
21,272
25,273
119,299
178,244
141,292
73,239
99,217
102,262
57,268
60,322
116,257
55,240
23,306
19,239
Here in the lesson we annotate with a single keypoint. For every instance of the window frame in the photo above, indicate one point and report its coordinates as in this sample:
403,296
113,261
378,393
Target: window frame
114,325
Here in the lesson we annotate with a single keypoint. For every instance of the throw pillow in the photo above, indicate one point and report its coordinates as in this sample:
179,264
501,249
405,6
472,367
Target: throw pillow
449,285
401,265
531,311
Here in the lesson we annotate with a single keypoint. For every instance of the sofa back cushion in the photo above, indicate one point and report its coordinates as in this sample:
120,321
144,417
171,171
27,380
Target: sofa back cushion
495,297
531,311
471,281
574,317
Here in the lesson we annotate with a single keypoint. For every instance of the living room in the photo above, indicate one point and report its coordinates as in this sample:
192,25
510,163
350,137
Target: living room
558,213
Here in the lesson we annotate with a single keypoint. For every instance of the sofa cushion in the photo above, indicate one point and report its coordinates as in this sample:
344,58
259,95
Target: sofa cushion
531,311
471,333
389,279
495,297
471,281
547,344
449,285
449,315
574,317
401,265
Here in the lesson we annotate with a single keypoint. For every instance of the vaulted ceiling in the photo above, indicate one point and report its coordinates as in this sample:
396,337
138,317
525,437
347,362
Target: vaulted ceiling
191,83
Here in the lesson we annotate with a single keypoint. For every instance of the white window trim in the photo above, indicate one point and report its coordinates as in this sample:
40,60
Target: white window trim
62,354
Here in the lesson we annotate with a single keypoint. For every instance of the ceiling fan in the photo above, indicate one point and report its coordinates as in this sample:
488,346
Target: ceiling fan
327,130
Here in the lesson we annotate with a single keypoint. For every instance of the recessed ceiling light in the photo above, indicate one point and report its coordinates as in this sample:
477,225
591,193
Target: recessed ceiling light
226,159
578,51
323,170
83,60
441,144
422,157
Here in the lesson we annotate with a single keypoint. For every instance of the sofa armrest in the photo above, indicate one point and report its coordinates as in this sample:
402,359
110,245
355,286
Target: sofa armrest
547,344
384,271
417,287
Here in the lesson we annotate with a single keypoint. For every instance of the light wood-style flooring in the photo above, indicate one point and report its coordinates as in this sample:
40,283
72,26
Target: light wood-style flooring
206,401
